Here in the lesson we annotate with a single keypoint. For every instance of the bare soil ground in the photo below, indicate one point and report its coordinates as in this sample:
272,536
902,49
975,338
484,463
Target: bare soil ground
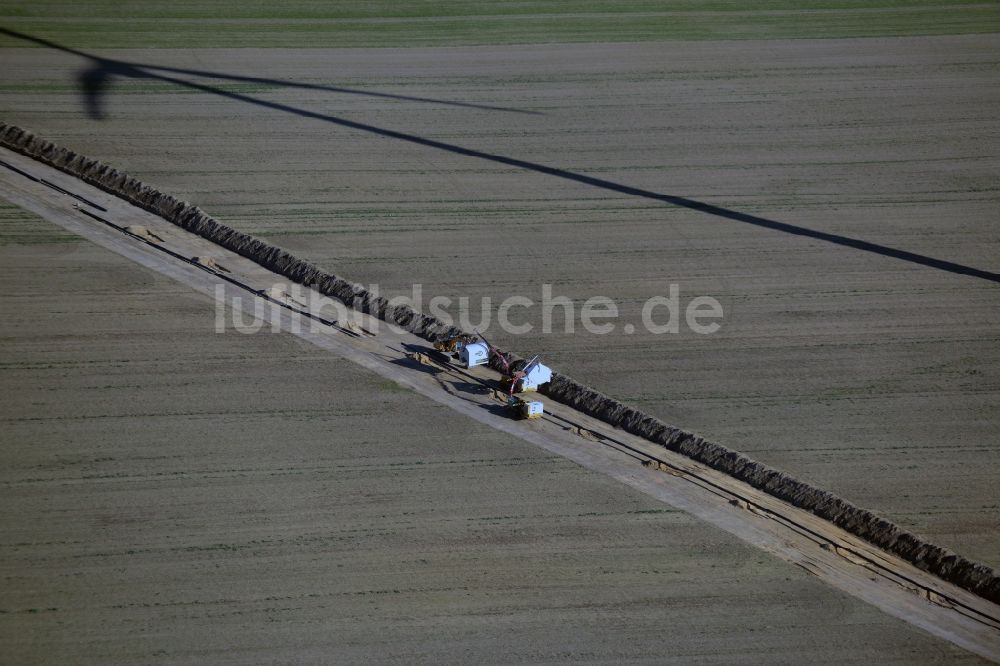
380,23
868,375
266,501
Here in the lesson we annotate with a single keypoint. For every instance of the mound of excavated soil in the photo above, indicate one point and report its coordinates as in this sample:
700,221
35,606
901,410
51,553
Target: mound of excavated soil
143,232
210,262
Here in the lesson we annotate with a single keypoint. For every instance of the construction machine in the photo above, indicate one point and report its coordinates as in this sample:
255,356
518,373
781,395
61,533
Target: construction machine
454,344
525,409
528,378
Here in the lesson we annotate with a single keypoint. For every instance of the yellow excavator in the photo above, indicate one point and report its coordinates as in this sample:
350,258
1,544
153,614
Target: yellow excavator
455,344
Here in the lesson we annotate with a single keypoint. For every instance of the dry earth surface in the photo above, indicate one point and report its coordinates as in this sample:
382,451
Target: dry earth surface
868,375
253,494
267,501
380,23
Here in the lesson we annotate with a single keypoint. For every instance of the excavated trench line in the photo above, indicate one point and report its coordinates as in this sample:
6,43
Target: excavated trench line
977,578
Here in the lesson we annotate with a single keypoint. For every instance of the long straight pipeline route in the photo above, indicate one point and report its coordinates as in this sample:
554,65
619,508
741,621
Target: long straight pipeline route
796,536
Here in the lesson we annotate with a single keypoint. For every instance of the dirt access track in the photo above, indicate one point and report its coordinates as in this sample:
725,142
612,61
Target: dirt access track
834,556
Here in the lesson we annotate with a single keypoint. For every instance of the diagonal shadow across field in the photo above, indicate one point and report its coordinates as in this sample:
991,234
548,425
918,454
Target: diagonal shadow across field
94,81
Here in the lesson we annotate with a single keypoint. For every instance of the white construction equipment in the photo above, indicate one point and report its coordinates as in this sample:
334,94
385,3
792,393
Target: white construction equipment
532,376
526,409
473,354
528,379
